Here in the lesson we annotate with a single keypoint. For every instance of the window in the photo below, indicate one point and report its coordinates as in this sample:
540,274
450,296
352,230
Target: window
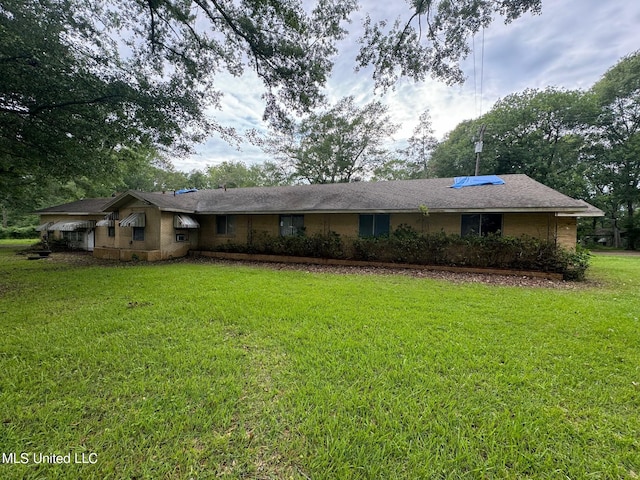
111,231
373,225
74,236
481,224
138,233
225,224
182,237
291,225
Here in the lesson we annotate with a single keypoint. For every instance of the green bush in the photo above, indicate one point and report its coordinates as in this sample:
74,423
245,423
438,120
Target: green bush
405,245
19,232
577,264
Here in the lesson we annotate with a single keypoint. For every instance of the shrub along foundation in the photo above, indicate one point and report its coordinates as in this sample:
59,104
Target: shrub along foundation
406,248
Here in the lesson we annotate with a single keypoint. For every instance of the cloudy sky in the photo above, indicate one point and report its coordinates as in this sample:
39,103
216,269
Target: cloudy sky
570,45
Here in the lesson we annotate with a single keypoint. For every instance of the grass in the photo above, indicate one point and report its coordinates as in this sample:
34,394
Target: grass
17,242
204,371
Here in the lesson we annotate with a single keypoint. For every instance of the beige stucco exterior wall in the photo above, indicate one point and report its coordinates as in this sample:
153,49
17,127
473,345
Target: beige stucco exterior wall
161,241
567,232
103,240
545,226
171,247
344,224
160,237
538,225
428,224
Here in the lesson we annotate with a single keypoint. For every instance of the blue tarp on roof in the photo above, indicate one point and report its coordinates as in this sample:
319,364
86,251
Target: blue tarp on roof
186,190
460,182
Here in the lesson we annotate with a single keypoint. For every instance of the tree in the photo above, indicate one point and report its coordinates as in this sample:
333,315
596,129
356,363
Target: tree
411,162
433,39
81,80
339,145
233,175
615,171
454,156
421,145
69,110
395,168
540,133
237,174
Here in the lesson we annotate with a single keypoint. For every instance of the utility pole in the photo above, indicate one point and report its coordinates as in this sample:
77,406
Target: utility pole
478,148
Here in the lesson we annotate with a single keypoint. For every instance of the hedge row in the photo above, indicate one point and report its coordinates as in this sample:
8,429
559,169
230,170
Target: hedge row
18,232
405,245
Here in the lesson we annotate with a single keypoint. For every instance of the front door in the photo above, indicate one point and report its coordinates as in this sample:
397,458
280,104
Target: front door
91,239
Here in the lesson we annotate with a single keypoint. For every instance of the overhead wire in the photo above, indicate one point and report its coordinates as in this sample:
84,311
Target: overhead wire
482,72
478,99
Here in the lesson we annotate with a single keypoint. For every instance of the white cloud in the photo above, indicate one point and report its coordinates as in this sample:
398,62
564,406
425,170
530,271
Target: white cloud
570,45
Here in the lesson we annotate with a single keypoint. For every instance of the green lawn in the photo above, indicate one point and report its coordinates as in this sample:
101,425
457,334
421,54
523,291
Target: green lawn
182,370
17,242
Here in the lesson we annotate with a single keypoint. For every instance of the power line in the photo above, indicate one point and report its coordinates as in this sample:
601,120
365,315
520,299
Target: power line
475,80
478,99
482,71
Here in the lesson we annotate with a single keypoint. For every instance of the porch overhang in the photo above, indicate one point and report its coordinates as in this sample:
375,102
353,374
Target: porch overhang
72,225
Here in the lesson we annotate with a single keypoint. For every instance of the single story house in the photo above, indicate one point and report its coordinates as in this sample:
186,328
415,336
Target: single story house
156,226
73,222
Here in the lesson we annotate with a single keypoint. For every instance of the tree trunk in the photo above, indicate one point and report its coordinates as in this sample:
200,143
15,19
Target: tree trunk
631,230
617,242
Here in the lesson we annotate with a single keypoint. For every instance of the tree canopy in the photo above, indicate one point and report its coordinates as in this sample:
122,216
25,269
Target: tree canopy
614,170
432,38
81,81
536,132
342,144
585,144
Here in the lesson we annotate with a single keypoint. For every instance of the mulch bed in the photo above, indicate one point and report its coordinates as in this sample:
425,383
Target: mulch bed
85,258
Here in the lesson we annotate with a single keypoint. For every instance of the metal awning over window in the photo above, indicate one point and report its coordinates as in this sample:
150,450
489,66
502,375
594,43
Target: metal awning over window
109,220
72,225
44,227
133,220
184,221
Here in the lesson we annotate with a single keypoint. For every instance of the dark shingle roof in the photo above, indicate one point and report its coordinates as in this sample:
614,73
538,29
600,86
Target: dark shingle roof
518,194
184,203
79,207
